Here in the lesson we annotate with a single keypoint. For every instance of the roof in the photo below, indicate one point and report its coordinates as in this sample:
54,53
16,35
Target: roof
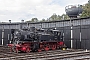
7,23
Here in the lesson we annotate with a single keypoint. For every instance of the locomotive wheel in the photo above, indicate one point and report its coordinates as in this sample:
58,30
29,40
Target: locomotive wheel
35,47
28,50
39,50
46,48
14,49
53,47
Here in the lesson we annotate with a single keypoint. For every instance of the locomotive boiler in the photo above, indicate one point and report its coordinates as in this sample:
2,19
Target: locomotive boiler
27,40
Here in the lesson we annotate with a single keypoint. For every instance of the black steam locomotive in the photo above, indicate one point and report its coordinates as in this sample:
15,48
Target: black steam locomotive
33,39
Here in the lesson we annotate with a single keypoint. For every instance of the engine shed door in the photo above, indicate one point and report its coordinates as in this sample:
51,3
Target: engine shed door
6,36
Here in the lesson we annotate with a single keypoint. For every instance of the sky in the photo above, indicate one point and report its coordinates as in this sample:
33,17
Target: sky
17,10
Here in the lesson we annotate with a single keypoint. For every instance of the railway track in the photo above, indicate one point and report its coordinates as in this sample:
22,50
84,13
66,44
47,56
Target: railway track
44,55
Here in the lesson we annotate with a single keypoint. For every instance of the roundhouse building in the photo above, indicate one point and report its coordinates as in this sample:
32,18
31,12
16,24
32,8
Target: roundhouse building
80,28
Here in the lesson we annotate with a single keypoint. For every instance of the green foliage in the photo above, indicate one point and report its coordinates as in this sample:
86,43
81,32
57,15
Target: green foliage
64,16
86,10
33,20
43,20
55,17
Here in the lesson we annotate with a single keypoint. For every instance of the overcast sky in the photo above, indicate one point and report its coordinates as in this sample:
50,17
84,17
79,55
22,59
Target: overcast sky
16,10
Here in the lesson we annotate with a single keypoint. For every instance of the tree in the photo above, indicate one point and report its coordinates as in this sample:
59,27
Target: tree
43,20
58,17
86,10
53,17
28,21
64,17
34,20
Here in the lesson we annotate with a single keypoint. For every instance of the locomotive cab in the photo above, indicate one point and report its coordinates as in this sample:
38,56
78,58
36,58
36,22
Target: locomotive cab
57,35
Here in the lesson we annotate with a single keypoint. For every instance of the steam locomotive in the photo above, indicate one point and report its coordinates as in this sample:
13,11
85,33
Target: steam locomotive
27,40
